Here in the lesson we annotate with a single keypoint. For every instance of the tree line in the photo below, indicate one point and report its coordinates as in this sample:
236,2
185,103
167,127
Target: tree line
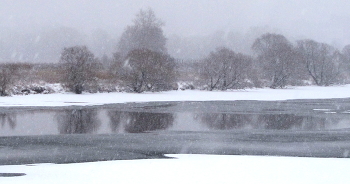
142,63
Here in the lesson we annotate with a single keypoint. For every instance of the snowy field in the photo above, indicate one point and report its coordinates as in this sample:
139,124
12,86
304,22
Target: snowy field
201,169
67,99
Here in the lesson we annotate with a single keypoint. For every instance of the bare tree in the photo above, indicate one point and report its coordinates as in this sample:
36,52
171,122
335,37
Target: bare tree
346,52
276,56
79,64
146,70
322,61
225,69
8,75
346,63
145,33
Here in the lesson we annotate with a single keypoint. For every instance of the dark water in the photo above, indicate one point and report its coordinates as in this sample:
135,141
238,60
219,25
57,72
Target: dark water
177,116
302,128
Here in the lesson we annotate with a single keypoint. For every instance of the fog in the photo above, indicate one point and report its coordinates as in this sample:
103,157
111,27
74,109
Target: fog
37,31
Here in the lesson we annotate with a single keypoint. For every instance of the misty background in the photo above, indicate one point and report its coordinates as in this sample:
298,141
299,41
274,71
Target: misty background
36,31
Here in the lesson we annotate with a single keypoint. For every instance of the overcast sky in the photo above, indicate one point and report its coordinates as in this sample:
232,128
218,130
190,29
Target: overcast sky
322,20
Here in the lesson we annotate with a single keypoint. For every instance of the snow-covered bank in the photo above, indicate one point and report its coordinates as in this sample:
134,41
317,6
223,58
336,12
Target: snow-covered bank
309,92
189,169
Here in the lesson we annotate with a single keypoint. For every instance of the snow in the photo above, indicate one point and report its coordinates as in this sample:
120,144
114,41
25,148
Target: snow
203,169
266,94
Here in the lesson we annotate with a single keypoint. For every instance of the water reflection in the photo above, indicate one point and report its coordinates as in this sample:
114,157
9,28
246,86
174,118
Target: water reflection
8,118
224,121
281,121
116,117
109,121
78,121
220,121
136,122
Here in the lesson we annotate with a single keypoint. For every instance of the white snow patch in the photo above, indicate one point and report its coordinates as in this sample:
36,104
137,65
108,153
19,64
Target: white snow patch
67,99
203,169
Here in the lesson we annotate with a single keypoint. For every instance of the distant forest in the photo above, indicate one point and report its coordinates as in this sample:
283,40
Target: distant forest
143,59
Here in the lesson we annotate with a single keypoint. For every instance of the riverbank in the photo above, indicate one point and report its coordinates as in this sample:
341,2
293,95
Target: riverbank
266,94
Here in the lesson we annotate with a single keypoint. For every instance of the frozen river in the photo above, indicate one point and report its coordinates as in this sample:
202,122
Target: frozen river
308,128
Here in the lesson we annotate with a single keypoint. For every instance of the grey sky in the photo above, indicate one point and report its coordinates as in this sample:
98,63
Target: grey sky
319,19
322,20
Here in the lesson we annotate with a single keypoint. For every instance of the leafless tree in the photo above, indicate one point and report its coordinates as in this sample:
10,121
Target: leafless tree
79,66
145,33
224,69
346,52
276,57
321,60
8,75
146,70
346,63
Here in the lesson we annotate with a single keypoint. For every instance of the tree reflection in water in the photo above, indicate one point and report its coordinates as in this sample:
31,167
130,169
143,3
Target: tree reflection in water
223,121
116,117
78,121
8,118
136,122
281,121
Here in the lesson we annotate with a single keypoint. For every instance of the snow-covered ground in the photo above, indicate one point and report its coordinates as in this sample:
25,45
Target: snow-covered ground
187,169
67,99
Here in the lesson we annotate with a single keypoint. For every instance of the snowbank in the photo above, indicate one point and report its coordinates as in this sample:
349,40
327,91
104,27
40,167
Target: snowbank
67,99
203,169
